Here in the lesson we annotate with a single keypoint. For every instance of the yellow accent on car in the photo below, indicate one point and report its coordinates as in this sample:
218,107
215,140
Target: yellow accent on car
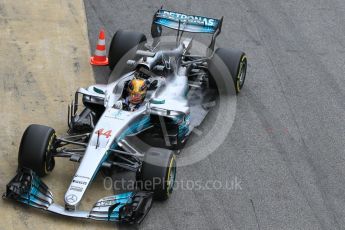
168,175
238,87
47,150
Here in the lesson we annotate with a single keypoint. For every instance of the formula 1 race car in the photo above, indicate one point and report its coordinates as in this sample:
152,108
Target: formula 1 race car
136,122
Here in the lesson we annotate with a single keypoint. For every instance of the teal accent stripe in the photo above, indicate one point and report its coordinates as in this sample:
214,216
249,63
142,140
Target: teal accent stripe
184,127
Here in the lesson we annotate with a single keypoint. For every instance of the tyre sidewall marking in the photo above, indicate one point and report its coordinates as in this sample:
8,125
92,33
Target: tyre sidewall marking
49,146
238,86
169,188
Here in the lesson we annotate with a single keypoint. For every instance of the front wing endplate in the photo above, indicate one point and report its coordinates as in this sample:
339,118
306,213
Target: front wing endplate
130,207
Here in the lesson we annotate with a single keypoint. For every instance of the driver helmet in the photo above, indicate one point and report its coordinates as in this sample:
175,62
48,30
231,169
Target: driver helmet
137,90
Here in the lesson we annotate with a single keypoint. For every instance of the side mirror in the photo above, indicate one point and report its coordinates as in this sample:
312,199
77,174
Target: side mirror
88,93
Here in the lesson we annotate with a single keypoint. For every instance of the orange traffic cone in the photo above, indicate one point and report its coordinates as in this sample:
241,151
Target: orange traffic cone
100,57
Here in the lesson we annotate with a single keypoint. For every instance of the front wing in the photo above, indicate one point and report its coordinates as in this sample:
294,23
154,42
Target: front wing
130,207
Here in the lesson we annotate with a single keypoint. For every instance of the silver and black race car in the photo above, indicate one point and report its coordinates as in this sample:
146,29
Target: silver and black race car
104,137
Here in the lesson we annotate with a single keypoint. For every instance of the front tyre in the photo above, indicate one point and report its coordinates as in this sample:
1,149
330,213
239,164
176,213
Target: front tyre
158,173
35,151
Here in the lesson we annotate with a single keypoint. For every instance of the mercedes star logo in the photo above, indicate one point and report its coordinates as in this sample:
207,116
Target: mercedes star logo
71,198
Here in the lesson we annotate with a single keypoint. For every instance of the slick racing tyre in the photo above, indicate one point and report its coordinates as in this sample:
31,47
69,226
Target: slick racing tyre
121,43
236,63
158,173
35,149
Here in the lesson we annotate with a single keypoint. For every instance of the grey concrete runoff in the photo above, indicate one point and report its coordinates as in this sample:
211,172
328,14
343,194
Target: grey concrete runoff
287,143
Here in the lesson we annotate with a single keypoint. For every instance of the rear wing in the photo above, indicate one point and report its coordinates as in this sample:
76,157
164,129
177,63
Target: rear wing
188,23
183,22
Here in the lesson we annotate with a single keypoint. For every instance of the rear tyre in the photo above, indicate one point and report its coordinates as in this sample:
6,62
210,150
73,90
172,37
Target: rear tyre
158,173
236,63
121,43
35,149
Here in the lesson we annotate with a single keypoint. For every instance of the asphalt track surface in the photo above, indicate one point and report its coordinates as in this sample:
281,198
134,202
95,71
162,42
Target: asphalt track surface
287,143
